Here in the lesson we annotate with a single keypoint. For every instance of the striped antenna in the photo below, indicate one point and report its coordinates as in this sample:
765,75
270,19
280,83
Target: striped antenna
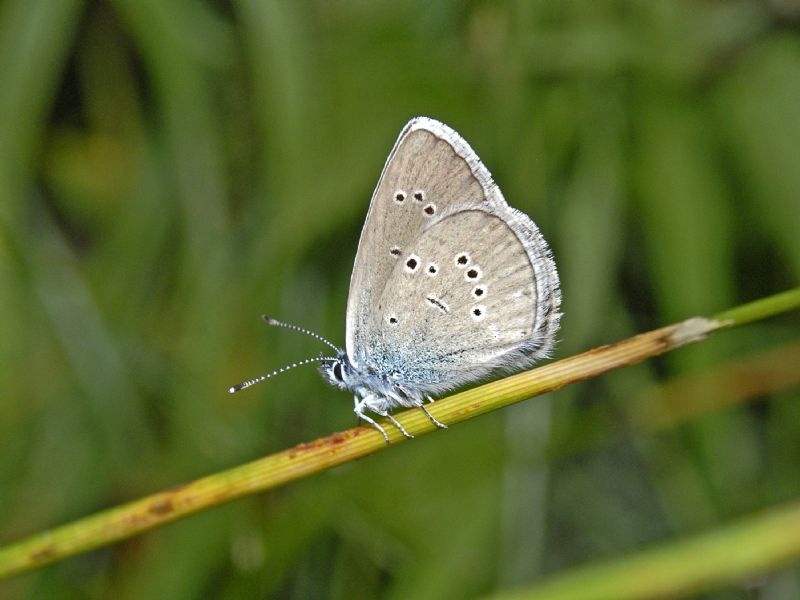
276,323
248,383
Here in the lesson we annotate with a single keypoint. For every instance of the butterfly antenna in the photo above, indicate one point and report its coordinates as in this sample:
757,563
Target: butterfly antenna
276,323
246,384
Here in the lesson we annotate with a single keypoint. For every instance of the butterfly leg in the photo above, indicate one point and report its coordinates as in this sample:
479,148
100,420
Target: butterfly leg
359,410
417,401
372,422
396,423
430,416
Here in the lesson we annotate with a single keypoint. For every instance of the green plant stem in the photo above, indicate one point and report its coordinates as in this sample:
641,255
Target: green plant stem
306,459
732,554
760,309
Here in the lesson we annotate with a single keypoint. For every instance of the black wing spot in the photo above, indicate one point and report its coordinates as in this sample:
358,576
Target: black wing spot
438,304
412,263
478,313
473,273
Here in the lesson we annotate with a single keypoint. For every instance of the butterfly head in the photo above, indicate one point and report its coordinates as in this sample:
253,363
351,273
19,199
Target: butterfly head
339,372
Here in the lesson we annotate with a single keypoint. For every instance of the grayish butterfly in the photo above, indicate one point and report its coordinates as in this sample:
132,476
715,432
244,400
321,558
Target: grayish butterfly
449,283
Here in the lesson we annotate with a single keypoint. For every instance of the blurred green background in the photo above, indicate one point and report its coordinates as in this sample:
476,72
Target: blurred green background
169,170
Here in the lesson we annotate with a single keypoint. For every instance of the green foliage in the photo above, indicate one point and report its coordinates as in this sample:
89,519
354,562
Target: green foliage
171,170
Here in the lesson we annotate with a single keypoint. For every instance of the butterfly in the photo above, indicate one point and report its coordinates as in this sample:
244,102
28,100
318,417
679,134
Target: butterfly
449,283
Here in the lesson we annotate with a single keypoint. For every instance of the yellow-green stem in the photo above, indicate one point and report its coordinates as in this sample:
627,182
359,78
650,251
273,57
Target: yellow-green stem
306,459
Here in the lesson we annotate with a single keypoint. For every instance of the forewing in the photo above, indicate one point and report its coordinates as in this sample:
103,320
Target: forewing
430,170
476,291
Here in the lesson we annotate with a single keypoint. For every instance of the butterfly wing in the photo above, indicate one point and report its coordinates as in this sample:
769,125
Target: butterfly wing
430,170
475,291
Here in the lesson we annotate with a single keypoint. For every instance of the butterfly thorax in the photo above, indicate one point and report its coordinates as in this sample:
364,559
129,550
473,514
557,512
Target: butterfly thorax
367,382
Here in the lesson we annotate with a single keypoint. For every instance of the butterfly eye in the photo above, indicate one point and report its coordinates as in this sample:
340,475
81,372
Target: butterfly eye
337,372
